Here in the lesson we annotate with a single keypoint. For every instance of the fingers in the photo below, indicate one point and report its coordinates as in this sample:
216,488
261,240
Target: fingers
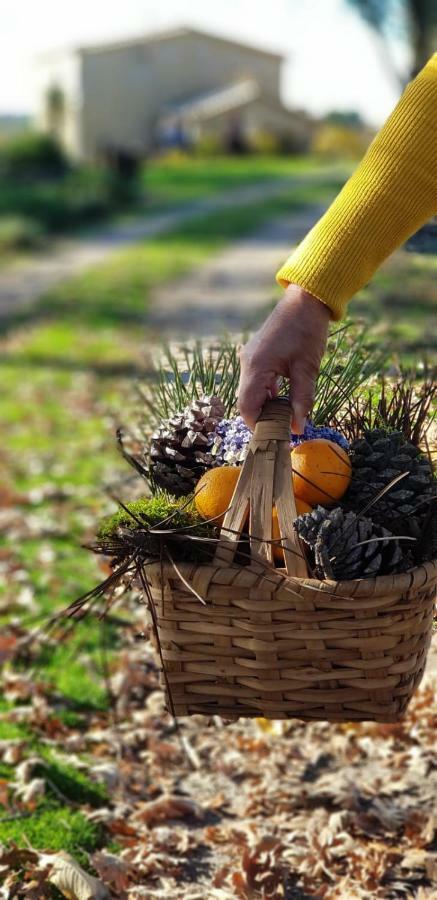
252,394
274,390
302,388
290,343
256,386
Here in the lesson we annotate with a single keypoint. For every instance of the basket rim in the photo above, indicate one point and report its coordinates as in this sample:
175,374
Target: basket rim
415,578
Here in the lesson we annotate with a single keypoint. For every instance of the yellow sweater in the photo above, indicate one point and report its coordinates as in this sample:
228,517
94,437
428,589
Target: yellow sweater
390,195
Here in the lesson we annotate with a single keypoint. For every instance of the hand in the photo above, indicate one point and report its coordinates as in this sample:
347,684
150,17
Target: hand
290,343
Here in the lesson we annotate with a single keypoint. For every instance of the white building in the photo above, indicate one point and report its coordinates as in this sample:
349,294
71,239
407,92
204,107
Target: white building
133,94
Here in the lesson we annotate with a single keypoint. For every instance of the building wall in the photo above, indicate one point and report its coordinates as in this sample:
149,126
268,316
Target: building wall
126,88
291,130
61,71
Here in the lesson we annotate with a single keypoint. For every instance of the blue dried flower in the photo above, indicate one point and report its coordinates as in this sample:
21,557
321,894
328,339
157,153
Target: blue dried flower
312,432
229,441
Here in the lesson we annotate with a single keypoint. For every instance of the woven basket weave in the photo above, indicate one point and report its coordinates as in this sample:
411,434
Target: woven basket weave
275,643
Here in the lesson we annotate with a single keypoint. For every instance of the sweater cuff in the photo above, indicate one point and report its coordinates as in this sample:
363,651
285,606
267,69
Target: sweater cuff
290,273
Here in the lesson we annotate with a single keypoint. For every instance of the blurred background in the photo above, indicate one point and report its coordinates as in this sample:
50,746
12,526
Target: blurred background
157,163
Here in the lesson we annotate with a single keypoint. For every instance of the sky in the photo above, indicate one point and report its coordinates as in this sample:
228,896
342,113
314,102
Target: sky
332,58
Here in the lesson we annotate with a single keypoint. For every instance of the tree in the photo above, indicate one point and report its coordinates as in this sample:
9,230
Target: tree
55,109
385,17
348,118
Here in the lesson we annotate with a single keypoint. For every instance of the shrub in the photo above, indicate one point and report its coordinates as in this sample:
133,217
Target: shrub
265,143
340,141
209,144
19,233
81,197
32,156
173,156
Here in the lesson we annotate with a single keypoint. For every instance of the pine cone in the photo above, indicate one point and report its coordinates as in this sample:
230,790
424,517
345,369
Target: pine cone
180,447
346,546
379,457
426,548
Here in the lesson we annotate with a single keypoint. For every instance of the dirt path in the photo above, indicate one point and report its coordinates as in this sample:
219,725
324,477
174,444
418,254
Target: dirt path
21,284
231,291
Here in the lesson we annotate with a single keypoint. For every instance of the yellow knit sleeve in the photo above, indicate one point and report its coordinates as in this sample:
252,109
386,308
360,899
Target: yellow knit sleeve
390,195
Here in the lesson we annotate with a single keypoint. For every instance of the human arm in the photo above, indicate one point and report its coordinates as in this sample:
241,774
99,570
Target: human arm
390,195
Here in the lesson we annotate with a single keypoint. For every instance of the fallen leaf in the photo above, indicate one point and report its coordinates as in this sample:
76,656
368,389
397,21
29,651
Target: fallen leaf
29,793
169,807
4,792
106,773
12,752
112,870
18,686
7,647
71,880
14,856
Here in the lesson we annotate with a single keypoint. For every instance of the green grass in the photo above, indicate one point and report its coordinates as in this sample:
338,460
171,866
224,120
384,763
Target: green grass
76,667
53,827
13,730
179,179
56,823
69,780
400,305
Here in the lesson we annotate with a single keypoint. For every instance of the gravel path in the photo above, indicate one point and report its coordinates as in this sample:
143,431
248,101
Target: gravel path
231,291
21,284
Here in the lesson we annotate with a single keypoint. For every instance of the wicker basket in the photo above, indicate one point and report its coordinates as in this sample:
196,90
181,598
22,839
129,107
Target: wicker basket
273,642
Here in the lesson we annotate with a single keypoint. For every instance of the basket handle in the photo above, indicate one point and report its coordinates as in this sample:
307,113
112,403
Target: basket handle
264,482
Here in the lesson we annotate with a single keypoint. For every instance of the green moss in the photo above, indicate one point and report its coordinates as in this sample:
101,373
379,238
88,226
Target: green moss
185,522
151,511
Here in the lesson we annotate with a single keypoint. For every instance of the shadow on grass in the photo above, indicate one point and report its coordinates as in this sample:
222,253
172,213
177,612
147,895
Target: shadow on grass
103,369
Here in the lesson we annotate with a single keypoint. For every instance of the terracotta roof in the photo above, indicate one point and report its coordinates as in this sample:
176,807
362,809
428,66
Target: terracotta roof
156,37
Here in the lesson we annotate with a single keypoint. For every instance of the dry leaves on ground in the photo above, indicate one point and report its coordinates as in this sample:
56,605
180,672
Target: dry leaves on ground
246,810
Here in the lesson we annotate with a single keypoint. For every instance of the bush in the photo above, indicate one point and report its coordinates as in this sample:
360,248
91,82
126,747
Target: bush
209,144
31,189
265,143
173,156
32,156
19,233
81,197
340,141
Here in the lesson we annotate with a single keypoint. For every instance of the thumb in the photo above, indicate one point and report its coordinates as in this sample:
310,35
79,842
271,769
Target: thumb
302,388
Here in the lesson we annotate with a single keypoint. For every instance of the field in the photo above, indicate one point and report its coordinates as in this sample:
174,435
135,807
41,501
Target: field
81,701
36,206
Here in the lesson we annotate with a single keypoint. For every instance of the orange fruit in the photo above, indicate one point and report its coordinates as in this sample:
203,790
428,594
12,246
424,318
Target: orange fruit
213,496
214,491
321,472
278,554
